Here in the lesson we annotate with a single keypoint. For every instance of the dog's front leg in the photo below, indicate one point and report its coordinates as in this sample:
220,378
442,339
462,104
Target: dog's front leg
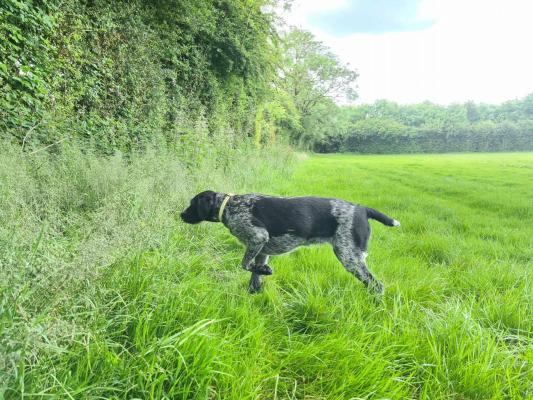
260,268
254,238
255,283
252,250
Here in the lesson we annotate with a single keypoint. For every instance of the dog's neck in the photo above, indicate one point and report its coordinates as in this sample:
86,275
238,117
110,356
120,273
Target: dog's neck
219,200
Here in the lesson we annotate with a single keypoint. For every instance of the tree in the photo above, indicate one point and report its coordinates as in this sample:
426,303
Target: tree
314,78
311,73
527,106
471,111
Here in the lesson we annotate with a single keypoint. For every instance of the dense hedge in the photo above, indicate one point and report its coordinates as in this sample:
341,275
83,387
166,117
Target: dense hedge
473,138
386,127
121,74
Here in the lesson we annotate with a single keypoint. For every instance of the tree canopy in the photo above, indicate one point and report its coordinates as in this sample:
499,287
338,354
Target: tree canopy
314,79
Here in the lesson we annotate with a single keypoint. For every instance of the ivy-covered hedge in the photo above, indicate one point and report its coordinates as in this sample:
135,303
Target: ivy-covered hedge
26,29
121,74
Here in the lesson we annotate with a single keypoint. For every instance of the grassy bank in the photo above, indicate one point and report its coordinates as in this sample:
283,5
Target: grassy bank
108,295
71,218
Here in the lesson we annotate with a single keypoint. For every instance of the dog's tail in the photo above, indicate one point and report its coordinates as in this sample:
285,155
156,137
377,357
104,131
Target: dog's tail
384,219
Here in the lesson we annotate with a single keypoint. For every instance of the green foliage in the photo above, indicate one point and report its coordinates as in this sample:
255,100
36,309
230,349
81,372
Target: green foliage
386,127
127,74
268,118
313,78
25,49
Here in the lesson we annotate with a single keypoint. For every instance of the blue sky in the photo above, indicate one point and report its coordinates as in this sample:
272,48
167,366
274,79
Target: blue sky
371,16
444,51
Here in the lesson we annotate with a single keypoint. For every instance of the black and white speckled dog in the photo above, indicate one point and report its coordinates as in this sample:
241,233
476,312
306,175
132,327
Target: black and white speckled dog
269,225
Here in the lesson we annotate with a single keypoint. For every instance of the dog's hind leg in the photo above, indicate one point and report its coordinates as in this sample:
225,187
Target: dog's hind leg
255,280
353,259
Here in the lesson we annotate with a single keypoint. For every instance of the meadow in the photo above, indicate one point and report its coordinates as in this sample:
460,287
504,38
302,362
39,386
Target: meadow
168,316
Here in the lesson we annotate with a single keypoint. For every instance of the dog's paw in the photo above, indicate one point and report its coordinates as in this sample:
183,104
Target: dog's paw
262,270
255,284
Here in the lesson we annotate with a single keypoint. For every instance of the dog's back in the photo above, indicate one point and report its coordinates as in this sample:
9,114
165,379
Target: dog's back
305,217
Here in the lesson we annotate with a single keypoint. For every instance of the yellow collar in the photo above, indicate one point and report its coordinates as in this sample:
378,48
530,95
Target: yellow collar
223,206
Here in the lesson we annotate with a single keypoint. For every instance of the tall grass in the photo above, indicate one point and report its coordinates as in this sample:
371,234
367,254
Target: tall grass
71,217
107,295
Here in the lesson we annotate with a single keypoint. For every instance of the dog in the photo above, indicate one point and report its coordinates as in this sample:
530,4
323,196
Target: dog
269,226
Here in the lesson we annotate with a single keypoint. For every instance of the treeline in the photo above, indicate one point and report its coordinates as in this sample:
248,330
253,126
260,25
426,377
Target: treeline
124,74
386,127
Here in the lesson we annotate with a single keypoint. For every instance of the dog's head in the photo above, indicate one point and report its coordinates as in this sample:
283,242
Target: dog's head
202,208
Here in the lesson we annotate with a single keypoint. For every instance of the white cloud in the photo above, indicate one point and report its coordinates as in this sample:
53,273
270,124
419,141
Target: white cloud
477,50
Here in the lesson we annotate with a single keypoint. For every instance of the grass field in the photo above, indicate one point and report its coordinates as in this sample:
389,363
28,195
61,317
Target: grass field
174,320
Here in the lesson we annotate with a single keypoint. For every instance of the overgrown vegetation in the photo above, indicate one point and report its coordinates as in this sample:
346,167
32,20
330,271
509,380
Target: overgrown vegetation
72,218
124,74
112,114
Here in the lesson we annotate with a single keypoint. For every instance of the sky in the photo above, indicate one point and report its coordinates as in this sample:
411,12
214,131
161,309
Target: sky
444,51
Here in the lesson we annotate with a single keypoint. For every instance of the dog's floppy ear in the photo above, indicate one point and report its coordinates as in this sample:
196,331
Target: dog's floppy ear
205,205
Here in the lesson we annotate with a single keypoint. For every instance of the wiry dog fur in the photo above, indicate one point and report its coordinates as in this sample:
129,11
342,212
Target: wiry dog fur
269,225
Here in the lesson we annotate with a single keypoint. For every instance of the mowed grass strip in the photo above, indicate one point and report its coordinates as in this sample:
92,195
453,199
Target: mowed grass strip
455,321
